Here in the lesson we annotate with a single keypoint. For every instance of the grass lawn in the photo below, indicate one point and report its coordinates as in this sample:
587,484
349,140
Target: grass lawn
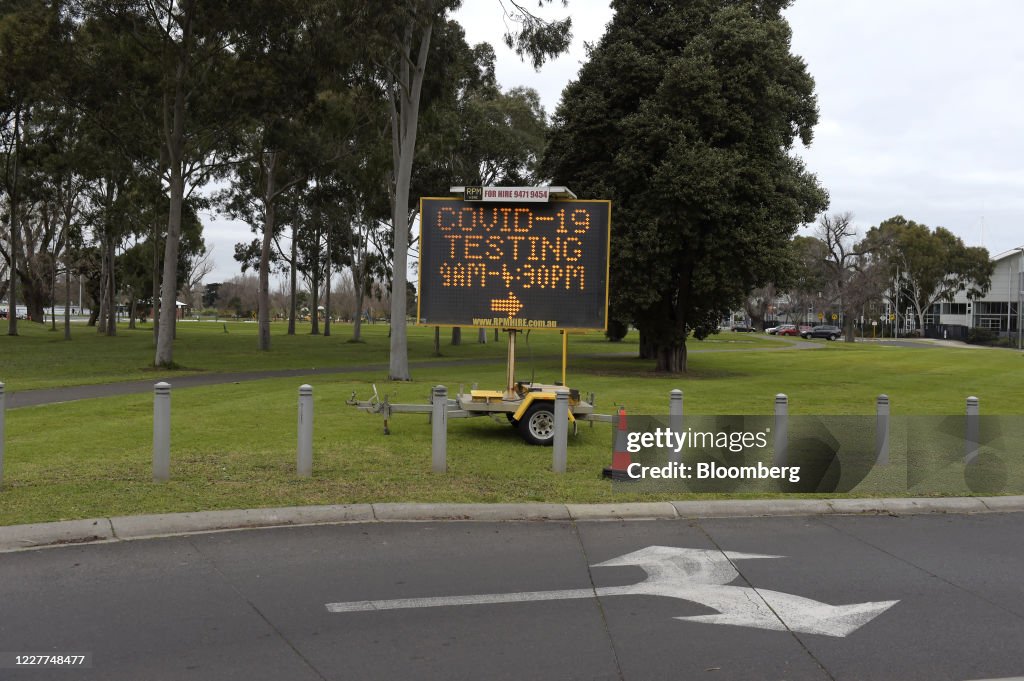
233,445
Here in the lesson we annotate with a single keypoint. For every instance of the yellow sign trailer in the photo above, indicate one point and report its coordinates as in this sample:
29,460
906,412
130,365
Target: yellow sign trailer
528,406
512,258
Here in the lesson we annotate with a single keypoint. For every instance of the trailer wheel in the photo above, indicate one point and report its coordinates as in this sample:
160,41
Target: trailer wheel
538,424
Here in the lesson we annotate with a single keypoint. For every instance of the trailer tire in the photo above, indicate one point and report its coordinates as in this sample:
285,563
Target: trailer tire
538,424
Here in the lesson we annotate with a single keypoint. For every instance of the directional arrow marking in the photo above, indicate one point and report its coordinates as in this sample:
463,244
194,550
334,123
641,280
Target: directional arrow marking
510,306
697,575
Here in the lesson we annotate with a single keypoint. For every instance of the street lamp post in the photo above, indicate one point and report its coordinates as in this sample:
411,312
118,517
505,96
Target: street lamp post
1020,296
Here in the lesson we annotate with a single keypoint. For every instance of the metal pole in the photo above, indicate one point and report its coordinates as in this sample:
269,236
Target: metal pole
161,432
510,369
3,409
305,451
971,444
565,354
559,453
882,430
781,429
675,421
439,430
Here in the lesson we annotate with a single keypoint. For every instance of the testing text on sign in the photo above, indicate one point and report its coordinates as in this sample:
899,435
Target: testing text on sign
509,265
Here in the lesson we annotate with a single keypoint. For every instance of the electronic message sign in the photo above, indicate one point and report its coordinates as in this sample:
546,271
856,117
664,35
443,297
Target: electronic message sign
514,265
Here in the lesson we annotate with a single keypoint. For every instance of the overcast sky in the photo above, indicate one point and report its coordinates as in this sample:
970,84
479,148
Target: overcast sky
921,108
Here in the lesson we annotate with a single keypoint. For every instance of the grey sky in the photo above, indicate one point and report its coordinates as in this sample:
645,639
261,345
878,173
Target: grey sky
920,106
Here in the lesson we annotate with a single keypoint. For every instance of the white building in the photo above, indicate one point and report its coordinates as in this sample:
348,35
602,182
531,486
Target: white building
999,310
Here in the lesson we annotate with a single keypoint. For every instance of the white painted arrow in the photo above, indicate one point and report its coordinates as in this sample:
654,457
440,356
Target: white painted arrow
697,575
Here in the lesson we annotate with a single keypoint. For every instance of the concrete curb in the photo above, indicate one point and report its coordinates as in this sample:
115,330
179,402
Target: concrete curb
127,528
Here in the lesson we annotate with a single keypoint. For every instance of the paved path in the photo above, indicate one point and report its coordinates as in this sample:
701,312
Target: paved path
939,597
32,398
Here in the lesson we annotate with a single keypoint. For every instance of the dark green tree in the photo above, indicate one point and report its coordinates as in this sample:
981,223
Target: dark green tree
686,116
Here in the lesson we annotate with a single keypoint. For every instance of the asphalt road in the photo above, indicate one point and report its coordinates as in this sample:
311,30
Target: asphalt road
253,605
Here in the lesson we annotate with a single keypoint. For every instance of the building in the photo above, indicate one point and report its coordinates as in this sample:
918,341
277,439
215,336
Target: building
998,311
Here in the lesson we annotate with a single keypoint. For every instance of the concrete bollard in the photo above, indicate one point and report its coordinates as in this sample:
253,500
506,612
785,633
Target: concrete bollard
439,430
3,409
882,430
675,421
973,432
560,446
781,429
161,432
304,459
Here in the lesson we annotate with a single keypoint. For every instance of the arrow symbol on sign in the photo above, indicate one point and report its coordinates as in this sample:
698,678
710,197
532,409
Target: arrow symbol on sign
508,306
697,575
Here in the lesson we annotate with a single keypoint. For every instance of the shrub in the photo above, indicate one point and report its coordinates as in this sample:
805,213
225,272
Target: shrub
979,336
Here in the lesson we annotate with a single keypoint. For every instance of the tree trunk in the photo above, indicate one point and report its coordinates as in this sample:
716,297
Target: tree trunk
131,310
327,289
314,289
12,289
263,304
293,284
67,292
671,358
404,123
456,335
647,350
101,320
155,298
111,289
437,341
168,294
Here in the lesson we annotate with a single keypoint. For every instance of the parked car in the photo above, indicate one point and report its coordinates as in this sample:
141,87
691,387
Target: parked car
823,331
787,330
743,328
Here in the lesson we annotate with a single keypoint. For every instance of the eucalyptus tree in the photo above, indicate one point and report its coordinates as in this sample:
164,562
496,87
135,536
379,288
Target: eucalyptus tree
402,47
928,265
34,45
188,89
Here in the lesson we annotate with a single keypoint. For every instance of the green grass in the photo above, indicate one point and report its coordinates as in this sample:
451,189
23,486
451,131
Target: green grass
233,445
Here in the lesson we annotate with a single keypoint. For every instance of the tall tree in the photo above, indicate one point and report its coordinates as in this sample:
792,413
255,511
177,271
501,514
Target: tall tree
930,266
34,44
190,45
685,116
854,272
406,28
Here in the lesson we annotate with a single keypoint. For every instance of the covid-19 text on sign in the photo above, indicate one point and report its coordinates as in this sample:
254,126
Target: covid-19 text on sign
514,265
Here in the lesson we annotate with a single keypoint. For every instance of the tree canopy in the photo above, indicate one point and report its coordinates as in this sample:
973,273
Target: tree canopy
686,116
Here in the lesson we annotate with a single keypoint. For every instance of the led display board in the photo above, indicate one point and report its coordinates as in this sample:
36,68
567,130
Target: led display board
514,265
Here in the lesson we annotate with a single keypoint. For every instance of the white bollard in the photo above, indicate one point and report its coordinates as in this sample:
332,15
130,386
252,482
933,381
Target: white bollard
161,432
304,458
439,430
882,430
973,434
3,409
559,453
675,422
781,429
